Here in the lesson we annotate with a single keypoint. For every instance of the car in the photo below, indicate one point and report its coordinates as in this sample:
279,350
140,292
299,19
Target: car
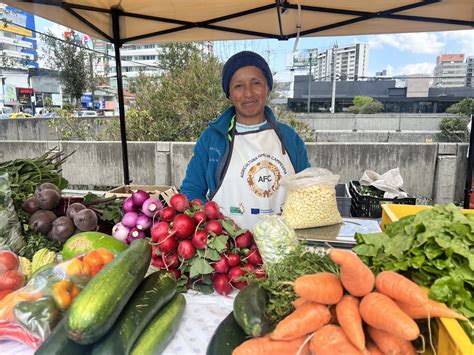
5,112
85,113
20,115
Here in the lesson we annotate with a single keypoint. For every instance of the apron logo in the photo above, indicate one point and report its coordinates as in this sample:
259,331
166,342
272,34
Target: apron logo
264,178
237,210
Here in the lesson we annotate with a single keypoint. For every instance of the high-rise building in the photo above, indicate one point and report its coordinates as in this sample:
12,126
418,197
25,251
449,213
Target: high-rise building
450,71
470,71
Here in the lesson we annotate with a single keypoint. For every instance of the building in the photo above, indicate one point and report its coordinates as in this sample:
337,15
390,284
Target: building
450,71
470,71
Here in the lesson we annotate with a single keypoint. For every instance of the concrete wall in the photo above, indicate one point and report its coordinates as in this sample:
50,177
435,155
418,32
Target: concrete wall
430,170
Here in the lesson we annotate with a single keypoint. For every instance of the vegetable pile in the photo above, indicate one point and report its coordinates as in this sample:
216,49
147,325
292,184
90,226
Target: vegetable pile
434,248
11,278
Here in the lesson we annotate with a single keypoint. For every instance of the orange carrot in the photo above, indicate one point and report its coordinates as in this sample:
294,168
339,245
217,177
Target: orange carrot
399,288
373,349
299,302
348,315
430,309
324,288
331,340
304,320
389,343
356,277
267,346
379,311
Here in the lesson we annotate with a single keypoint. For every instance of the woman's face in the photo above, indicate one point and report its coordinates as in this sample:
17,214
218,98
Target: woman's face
248,91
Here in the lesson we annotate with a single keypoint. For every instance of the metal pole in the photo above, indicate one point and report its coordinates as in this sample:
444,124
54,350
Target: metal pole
118,70
470,167
333,94
309,82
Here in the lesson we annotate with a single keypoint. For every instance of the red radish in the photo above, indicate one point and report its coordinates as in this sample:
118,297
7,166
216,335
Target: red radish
260,273
197,202
254,257
221,216
155,252
183,226
200,217
138,197
199,239
248,268
171,260
214,226
179,202
235,273
158,262
233,260
211,209
176,273
221,265
129,219
186,249
166,243
221,284
244,240
128,205
143,222
167,214
159,230
151,207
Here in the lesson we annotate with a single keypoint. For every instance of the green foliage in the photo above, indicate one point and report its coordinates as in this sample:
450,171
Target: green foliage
289,117
365,105
176,56
465,107
454,129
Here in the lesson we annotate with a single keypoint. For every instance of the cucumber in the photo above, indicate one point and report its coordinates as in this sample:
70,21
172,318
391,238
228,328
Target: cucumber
155,291
226,338
98,306
161,329
58,343
249,310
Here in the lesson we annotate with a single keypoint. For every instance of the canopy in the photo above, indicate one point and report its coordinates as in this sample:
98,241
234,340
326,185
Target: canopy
142,21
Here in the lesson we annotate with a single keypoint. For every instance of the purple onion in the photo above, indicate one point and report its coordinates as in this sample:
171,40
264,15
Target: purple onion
129,219
120,232
128,205
151,207
135,233
140,196
143,222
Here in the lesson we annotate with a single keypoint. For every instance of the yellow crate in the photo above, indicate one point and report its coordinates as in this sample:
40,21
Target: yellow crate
449,337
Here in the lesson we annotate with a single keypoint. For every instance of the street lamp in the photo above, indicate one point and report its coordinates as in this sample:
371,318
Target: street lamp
309,82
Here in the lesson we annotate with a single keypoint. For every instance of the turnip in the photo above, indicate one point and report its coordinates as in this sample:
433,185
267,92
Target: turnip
200,217
135,233
151,207
254,257
186,249
138,197
214,226
143,222
120,232
221,284
244,240
221,266
199,239
233,260
128,205
183,226
179,202
171,260
167,214
129,219
211,209
166,243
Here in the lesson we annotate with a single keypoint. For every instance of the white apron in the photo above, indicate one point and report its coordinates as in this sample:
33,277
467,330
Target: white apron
251,184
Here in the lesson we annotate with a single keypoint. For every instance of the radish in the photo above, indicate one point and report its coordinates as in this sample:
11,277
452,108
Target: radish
200,217
214,226
151,207
138,197
167,214
235,273
260,273
175,272
254,257
171,260
159,229
143,222
129,219
166,243
244,240
186,249
179,202
211,209
158,262
183,226
199,239
221,266
196,202
221,284
233,260
120,232
155,252
128,205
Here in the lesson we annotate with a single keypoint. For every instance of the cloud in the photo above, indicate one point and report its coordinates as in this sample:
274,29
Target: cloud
421,43
414,68
464,39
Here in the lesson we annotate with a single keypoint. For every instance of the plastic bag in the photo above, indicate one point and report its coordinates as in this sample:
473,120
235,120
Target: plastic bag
10,227
11,277
311,199
391,182
274,238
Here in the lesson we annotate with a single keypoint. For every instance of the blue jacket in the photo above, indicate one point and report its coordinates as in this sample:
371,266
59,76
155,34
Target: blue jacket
204,172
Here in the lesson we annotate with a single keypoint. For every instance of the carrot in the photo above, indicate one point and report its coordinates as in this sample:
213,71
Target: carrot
267,346
304,320
356,277
430,309
348,316
324,288
399,288
331,340
379,311
373,349
299,302
389,343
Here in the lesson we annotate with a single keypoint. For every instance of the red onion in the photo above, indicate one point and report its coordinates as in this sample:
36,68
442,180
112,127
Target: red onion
120,232
151,207
128,205
130,219
143,222
140,196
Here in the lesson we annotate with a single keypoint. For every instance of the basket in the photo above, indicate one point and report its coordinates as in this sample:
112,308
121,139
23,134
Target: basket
371,207
343,199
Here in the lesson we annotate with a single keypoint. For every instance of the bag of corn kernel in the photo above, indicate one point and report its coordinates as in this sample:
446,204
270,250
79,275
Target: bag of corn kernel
311,199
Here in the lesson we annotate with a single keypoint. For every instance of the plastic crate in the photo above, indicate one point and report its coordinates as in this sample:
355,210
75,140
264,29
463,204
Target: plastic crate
368,206
343,199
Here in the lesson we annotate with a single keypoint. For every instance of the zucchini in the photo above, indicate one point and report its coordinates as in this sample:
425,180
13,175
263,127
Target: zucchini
249,310
226,338
98,306
58,343
161,329
156,290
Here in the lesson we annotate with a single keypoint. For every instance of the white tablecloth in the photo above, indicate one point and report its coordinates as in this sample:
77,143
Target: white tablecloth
202,315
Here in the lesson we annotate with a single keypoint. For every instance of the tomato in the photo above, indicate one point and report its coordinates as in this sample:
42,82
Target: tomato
8,261
106,255
11,279
93,258
3,293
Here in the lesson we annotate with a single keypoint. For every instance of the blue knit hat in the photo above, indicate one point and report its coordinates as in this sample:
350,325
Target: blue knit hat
244,59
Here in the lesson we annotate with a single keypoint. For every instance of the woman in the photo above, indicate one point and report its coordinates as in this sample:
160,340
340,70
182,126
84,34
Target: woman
240,158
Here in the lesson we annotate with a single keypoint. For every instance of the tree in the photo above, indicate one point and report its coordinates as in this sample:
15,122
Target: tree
365,105
465,107
176,56
454,129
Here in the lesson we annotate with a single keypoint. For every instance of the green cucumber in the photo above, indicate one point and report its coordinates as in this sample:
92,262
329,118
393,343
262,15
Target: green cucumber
249,310
154,292
226,338
58,343
98,306
161,329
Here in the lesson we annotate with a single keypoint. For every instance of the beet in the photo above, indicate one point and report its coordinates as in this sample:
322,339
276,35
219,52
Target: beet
30,205
41,221
63,228
86,220
73,209
48,199
47,186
